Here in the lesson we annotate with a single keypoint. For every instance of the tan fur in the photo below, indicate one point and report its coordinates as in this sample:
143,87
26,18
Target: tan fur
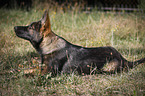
52,43
46,26
111,66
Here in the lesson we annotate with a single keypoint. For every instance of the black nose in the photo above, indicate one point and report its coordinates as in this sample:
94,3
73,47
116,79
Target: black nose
15,28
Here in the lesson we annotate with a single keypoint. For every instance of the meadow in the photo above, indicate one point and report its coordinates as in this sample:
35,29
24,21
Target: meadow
125,32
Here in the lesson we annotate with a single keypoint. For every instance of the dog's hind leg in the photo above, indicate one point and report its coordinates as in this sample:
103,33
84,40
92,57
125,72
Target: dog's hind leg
111,67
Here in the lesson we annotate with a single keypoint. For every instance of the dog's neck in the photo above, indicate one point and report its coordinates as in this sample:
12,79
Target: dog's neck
51,43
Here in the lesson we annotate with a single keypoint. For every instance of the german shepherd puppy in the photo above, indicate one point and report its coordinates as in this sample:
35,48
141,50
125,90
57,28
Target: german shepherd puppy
60,56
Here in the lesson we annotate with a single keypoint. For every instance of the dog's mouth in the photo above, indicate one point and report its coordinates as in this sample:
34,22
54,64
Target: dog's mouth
18,31
22,32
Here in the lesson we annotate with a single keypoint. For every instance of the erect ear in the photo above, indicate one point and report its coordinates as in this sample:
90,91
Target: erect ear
45,22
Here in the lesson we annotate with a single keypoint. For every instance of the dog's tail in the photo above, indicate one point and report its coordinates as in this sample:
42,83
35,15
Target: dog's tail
135,63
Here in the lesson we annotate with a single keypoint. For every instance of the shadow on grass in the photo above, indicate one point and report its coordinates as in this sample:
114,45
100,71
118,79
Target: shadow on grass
12,61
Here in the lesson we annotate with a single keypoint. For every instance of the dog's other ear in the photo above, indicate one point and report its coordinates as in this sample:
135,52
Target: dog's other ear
45,21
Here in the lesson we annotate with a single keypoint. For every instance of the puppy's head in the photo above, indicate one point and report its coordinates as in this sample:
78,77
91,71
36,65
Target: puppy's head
36,30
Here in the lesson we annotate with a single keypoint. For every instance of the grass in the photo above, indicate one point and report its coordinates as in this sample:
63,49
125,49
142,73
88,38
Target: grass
125,32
